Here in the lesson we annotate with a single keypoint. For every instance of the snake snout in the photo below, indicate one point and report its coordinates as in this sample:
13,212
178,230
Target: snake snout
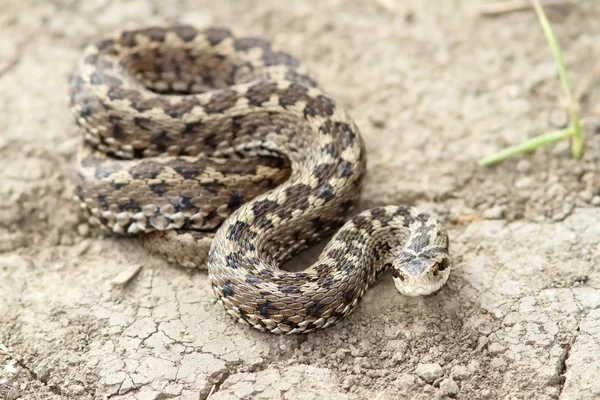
420,275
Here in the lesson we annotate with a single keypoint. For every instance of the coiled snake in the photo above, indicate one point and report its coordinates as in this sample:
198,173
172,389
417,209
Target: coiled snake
190,131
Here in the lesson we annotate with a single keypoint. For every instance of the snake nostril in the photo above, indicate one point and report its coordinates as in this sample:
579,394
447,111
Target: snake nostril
443,265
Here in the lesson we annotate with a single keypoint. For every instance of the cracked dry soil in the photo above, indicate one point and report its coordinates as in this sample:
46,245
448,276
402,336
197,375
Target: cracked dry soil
432,89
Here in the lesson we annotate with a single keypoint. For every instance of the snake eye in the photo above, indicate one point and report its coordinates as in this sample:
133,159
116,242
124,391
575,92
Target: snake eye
398,274
435,269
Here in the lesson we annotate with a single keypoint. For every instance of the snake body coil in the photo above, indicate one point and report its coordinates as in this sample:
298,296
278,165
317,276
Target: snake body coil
188,131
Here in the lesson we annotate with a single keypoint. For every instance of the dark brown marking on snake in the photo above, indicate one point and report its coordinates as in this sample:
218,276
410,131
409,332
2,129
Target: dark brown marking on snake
179,109
337,255
142,105
344,169
96,79
212,187
131,205
185,32
111,80
300,78
119,93
261,209
117,129
102,201
347,133
349,296
346,205
146,170
348,268
266,308
320,106
186,169
185,203
260,93
325,129
271,58
315,309
362,223
288,289
238,229
161,141
106,170
143,123
252,280
247,43
86,110
156,34
90,59
292,94
423,217
232,260
235,201
191,128
228,289
345,236
322,172
325,192
128,38
221,101
318,224
217,34
107,46
275,162
380,214
298,195
331,149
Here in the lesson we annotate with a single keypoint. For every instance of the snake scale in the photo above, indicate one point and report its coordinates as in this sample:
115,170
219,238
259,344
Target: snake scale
221,152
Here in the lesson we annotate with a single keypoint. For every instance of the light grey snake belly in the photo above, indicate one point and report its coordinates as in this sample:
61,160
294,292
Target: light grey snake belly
222,152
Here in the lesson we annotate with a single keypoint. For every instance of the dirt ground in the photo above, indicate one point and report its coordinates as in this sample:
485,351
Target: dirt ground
433,88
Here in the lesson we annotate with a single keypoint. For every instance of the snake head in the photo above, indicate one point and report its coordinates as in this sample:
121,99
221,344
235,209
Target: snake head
420,274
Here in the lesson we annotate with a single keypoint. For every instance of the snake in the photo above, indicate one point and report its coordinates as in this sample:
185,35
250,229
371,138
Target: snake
221,152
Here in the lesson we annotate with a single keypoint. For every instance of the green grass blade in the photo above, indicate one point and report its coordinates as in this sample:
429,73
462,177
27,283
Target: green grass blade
577,146
526,147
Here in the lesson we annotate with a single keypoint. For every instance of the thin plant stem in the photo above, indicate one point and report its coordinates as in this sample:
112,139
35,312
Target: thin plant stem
573,131
526,147
577,137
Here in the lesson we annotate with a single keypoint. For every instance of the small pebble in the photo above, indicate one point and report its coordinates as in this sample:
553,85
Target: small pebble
13,394
429,372
377,121
586,195
496,212
596,201
126,276
460,372
83,230
523,165
559,118
523,182
449,387
495,348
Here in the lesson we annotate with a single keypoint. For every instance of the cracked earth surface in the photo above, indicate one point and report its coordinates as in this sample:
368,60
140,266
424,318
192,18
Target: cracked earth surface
432,89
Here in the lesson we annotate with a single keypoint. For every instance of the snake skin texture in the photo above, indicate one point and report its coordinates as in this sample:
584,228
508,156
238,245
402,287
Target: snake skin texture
221,152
